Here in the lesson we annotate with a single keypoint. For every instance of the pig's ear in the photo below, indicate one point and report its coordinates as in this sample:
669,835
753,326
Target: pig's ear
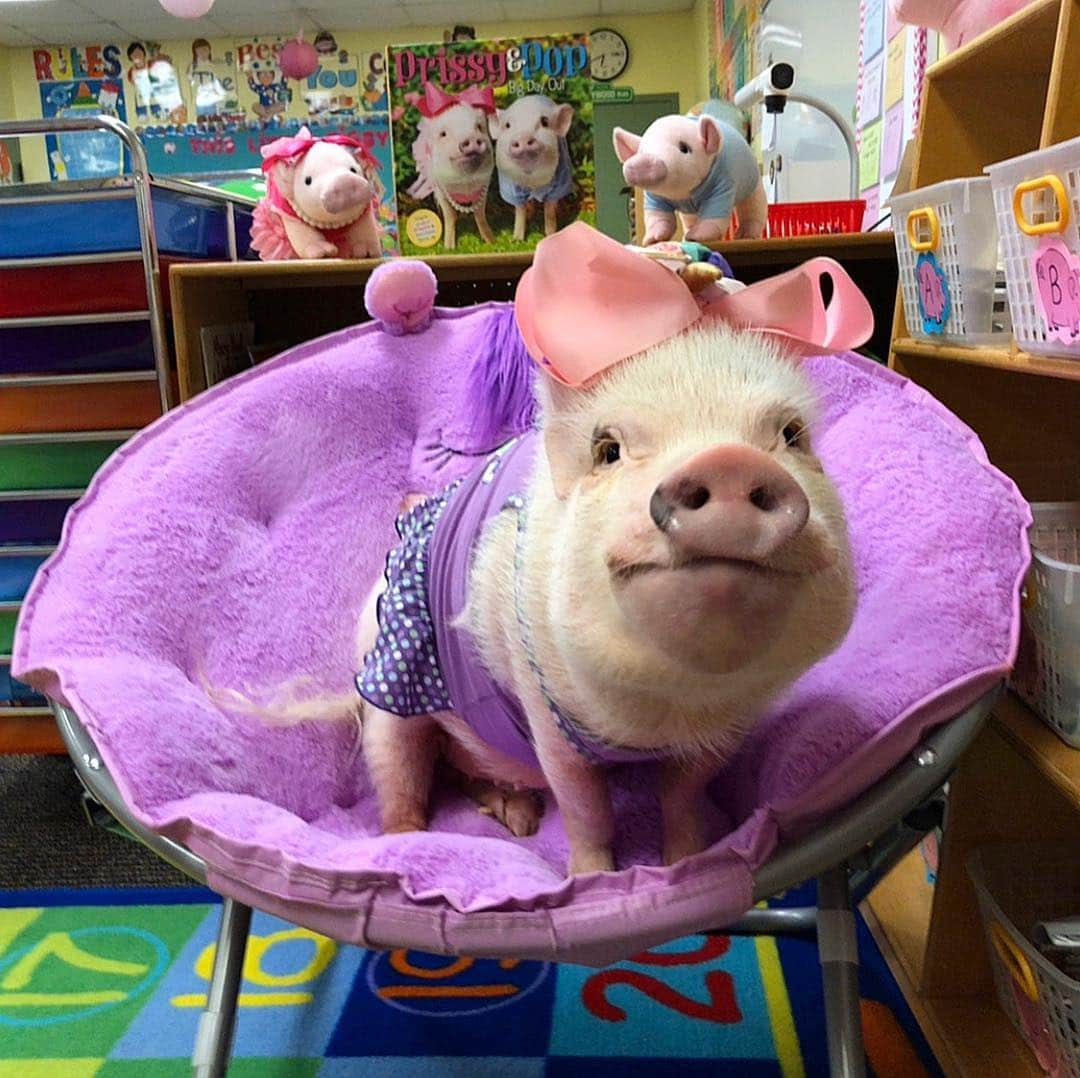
710,135
560,122
285,176
495,122
626,144
567,451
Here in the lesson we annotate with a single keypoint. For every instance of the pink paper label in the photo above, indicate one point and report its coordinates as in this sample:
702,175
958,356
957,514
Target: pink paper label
1055,275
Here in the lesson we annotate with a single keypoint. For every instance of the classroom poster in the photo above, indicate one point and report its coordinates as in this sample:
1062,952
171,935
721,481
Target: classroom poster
732,61
892,66
78,81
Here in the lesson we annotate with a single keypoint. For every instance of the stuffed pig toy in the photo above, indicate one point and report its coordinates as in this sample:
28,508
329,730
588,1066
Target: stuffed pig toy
699,167
958,21
321,199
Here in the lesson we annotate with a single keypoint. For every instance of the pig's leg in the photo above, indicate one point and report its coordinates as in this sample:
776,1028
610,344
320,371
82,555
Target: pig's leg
449,216
519,811
582,794
401,755
753,214
683,803
659,226
482,226
306,241
707,229
363,240
521,217
551,216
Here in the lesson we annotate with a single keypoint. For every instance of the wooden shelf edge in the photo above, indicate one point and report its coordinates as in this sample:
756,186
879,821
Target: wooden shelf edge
970,1035
1006,359
1036,742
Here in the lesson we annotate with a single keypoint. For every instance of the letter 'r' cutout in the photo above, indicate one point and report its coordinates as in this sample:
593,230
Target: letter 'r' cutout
1055,280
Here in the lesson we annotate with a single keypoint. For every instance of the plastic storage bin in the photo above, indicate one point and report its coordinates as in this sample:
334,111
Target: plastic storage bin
1041,1001
1047,673
946,247
1037,200
815,218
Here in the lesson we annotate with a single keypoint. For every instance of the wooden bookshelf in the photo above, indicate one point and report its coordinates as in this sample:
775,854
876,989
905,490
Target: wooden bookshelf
1012,90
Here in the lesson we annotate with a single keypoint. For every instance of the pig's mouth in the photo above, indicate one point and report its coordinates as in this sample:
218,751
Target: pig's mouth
623,573
471,160
526,158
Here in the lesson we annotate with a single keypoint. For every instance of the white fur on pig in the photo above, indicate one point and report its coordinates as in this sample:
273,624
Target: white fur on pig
695,683
532,157
454,162
331,195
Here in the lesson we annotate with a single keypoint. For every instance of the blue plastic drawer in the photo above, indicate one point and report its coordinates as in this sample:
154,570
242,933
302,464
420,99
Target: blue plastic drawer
16,572
55,226
32,521
76,347
14,693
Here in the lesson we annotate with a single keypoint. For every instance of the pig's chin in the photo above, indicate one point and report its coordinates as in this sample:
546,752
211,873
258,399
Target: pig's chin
714,615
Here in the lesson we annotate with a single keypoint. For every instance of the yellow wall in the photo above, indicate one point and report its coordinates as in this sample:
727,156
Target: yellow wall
667,53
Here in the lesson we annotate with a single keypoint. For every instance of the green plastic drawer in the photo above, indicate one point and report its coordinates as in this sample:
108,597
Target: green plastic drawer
7,630
52,465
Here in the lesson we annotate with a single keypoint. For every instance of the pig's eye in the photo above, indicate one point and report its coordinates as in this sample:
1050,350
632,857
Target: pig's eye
307,181
543,121
794,434
354,169
683,148
605,449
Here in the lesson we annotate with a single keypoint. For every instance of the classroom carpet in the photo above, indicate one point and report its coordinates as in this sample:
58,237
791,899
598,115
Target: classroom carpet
110,982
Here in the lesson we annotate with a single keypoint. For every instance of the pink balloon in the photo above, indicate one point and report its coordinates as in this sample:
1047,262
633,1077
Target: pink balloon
298,59
187,9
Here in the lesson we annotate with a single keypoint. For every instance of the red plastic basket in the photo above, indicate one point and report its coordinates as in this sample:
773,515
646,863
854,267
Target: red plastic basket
815,218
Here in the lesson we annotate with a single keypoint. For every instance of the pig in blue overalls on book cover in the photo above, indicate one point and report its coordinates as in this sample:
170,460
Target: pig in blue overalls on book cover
493,142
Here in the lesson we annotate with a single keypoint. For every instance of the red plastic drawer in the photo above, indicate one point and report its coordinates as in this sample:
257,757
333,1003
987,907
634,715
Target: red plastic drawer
83,288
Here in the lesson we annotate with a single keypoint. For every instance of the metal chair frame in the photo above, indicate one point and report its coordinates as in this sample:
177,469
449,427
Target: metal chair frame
847,855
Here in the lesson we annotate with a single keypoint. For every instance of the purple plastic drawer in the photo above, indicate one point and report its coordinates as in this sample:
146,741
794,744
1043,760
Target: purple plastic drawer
32,521
76,348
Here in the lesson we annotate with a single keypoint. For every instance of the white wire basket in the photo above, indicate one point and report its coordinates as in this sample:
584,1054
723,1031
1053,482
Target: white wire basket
946,248
1047,674
1037,202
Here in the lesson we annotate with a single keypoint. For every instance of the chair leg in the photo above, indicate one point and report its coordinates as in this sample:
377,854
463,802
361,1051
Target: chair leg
213,1040
839,954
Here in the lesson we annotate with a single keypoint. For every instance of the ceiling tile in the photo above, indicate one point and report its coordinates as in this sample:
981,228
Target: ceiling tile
9,35
554,9
168,29
59,12
83,33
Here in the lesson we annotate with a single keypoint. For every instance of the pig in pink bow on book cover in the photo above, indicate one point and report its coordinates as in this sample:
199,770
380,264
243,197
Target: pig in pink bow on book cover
493,142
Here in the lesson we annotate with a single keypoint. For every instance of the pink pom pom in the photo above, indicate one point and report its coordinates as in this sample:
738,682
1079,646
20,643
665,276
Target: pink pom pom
298,59
400,294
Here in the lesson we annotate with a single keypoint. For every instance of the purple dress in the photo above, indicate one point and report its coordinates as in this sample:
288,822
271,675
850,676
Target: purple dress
421,663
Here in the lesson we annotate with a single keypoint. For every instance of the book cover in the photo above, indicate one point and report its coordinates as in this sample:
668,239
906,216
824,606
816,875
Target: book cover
492,142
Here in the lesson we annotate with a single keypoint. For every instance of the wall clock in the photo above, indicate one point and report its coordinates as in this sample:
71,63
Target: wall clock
608,54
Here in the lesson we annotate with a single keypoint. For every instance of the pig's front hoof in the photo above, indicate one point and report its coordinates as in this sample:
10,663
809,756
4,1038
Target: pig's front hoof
519,811
599,860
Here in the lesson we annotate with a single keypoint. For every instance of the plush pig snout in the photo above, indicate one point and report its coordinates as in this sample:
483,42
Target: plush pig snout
644,170
344,192
733,502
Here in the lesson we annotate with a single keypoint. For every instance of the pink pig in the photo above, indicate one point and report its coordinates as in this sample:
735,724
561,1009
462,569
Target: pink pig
698,167
1059,293
319,195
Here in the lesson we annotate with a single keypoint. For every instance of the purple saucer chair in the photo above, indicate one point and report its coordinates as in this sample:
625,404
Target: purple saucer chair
235,540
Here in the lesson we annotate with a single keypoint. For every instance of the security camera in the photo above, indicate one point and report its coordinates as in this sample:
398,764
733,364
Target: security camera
771,86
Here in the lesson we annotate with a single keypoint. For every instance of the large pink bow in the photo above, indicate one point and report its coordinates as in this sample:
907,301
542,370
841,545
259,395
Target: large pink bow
436,100
285,149
587,303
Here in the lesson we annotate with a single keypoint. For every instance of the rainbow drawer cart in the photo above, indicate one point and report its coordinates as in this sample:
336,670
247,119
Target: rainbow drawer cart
84,351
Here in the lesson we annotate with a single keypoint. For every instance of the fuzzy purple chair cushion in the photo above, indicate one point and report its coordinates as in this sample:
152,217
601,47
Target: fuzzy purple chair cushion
236,539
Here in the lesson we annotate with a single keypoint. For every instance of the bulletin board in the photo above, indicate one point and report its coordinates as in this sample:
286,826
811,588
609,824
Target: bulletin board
892,65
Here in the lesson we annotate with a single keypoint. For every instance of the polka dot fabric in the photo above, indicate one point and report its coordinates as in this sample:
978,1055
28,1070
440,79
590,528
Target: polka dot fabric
401,672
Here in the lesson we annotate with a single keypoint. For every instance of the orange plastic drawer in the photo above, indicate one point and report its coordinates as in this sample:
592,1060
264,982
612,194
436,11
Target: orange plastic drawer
98,406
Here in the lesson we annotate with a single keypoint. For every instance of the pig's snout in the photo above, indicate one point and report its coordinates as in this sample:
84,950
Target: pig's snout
344,192
729,502
527,144
644,170
472,146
